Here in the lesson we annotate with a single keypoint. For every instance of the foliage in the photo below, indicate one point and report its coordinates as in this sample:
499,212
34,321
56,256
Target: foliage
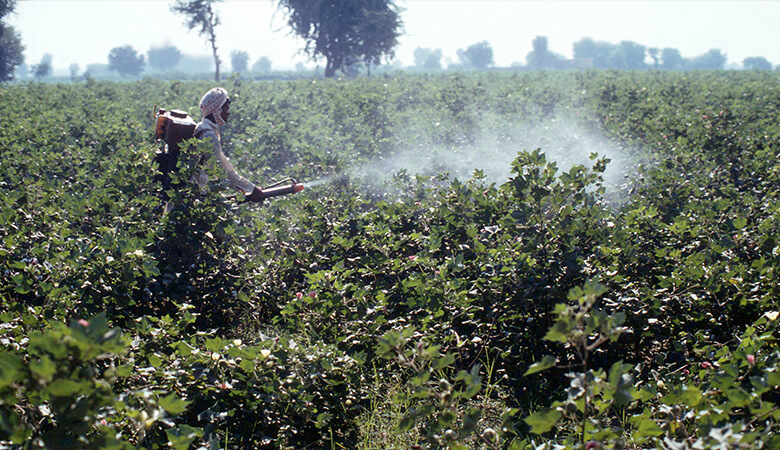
126,61
542,58
201,14
61,394
6,6
74,70
263,64
164,57
756,63
440,406
345,32
591,393
724,405
672,59
479,55
628,56
596,52
425,58
713,59
43,69
11,52
11,48
239,60
396,306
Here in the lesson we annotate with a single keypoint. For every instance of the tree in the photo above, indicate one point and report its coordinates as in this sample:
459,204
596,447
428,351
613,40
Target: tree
628,56
6,7
427,59
43,69
164,58
712,60
125,60
671,59
200,13
538,57
11,52
239,60
345,31
263,64
654,53
479,55
11,48
74,71
756,63
541,57
593,54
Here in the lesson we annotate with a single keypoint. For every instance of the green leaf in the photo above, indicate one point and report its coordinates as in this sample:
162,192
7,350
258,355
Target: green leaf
543,421
648,427
738,397
125,370
215,344
445,419
44,368
10,366
183,349
546,362
98,326
518,444
691,395
173,404
444,361
64,387
470,420
182,436
407,422
150,268
155,360
556,333
760,385
323,419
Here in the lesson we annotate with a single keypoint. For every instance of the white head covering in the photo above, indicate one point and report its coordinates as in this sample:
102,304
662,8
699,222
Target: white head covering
212,102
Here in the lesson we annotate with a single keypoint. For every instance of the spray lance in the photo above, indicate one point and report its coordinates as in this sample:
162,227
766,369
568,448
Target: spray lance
281,187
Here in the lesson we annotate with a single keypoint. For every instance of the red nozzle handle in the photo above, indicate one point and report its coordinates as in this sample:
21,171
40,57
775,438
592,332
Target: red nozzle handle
275,191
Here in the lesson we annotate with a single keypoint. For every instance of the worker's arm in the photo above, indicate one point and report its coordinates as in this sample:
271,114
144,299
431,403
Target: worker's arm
236,181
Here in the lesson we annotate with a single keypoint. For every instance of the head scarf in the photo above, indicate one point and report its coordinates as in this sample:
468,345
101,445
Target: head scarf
212,102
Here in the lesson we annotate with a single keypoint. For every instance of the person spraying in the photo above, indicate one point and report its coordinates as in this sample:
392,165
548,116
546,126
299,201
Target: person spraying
215,107
174,127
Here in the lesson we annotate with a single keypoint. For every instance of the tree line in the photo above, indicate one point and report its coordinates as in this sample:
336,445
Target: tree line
587,53
354,35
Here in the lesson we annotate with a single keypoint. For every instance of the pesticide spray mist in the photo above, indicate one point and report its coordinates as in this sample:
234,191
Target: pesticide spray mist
563,141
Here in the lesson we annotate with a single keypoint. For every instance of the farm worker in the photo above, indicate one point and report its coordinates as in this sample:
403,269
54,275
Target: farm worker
215,107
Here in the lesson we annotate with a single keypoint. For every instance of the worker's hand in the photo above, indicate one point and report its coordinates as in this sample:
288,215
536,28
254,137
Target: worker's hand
256,196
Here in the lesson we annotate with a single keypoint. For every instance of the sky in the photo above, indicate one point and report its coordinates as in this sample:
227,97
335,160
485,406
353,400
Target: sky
84,31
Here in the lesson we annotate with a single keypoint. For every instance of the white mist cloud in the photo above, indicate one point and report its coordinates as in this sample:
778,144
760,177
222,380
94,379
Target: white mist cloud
564,141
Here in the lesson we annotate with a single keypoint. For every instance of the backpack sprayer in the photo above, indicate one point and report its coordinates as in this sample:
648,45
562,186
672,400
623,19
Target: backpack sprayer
281,187
175,126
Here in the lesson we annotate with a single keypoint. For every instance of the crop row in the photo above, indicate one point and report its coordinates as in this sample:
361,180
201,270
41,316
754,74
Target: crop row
480,261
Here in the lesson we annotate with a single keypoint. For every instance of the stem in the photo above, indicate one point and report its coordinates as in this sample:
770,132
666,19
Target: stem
582,352
585,415
212,22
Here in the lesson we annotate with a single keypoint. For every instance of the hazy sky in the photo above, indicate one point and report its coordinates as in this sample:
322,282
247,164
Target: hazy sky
85,31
